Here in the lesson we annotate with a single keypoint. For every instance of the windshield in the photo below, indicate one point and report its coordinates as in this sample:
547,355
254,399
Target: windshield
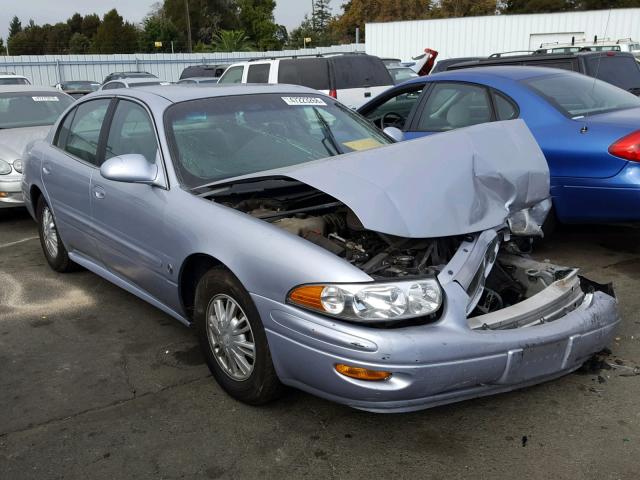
224,137
578,95
30,109
93,86
14,81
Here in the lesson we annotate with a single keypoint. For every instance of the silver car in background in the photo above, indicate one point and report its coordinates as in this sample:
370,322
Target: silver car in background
26,114
307,249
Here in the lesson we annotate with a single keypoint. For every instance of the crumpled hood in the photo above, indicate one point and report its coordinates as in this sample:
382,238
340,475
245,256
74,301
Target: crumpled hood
453,183
14,140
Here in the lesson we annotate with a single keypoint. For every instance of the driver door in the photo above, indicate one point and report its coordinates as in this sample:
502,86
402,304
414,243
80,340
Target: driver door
396,108
129,218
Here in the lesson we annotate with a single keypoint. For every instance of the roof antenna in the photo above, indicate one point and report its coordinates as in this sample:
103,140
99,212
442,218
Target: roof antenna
585,128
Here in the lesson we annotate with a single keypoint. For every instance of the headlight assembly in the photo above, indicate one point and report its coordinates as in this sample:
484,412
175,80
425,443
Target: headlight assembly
371,302
5,168
17,165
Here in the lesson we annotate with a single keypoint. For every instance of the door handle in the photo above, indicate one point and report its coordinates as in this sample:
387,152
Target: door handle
45,169
98,192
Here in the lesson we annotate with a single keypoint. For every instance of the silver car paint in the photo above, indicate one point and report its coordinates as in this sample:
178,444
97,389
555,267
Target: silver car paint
139,237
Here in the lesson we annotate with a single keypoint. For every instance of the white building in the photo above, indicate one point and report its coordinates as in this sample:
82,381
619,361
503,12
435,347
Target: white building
482,36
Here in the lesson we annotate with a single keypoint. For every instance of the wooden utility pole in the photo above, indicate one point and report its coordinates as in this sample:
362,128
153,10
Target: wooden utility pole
186,8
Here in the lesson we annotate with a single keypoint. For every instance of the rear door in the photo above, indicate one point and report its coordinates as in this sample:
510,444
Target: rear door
67,173
358,78
308,72
258,73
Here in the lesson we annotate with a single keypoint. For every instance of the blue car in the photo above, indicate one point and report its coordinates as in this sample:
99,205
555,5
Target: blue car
588,130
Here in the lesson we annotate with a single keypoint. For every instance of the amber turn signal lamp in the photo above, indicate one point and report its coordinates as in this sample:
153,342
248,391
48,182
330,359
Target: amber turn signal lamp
307,296
362,373
3,194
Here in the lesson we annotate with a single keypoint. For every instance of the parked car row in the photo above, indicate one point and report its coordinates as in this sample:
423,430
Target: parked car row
309,245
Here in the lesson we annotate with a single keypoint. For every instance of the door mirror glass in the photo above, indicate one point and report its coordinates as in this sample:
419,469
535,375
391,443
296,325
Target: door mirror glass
394,133
130,168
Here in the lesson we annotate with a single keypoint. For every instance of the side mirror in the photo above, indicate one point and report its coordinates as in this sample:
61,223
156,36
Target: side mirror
394,133
130,168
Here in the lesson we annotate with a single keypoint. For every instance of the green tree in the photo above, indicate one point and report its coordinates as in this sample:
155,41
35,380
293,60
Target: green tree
537,6
114,35
3,49
79,43
157,27
231,41
15,26
56,38
321,15
90,24
75,23
256,19
464,8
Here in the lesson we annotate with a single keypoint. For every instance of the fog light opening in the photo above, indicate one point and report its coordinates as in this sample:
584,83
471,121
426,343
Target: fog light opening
362,373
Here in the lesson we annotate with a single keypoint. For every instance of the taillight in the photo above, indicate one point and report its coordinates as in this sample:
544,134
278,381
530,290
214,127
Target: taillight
627,147
333,93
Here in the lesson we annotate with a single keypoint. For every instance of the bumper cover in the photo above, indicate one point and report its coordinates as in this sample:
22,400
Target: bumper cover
433,364
11,192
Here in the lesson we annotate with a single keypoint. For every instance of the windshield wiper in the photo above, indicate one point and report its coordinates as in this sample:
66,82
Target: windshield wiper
328,134
634,90
247,185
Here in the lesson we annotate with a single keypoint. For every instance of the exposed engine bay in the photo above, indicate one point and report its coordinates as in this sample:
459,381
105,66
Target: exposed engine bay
326,222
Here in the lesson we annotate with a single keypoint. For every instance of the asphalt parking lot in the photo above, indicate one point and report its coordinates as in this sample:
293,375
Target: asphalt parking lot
95,383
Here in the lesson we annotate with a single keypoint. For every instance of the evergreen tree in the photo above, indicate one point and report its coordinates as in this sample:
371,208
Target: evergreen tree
15,26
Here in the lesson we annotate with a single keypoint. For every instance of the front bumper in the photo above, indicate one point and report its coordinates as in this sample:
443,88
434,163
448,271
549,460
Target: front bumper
456,358
11,192
431,364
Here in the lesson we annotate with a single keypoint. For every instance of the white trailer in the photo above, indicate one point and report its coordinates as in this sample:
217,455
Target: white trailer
481,36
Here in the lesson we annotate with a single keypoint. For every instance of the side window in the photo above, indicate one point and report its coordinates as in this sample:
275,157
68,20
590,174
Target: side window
395,111
258,73
562,64
232,75
113,86
455,105
505,108
84,133
63,131
131,132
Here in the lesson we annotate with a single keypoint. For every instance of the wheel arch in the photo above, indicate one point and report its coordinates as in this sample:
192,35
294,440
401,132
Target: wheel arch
191,271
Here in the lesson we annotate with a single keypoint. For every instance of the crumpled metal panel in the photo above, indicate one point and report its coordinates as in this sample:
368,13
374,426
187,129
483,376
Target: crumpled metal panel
452,183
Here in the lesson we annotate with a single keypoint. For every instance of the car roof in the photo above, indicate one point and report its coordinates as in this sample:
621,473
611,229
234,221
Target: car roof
27,88
509,72
180,93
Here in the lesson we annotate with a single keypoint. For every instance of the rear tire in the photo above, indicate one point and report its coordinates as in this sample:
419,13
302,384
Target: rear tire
233,339
52,246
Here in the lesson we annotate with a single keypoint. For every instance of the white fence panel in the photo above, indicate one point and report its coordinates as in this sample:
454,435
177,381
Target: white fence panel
52,69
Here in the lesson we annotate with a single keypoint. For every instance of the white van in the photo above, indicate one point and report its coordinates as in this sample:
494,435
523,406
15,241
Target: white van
353,79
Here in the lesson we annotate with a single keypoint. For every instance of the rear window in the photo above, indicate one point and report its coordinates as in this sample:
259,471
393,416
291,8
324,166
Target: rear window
309,72
358,71
258,73
620,70
564,64
14,81
578,95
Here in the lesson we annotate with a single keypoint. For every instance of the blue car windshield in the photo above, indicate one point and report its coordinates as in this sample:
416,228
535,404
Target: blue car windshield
223,137
580,96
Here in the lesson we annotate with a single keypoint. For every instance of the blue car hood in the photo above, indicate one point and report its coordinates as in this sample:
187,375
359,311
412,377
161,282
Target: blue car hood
453,183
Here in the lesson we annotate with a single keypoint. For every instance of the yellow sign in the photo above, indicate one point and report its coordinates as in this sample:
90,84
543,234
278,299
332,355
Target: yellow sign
158,44
362,144
307,39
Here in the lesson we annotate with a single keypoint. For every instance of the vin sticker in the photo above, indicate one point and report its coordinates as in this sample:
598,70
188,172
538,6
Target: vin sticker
45,99
303,101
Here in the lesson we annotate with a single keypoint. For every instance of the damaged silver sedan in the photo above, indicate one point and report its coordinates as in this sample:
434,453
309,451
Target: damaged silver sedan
309,250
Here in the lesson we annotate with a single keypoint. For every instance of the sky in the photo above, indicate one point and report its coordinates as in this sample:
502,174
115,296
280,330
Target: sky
288,12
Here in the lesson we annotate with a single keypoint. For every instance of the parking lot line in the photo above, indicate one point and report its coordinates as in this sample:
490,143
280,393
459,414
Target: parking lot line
18,242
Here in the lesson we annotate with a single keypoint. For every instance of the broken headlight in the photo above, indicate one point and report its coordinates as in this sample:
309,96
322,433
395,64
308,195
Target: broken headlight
371,302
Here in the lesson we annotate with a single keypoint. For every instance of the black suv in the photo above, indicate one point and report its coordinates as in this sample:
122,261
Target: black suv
201,71
618,68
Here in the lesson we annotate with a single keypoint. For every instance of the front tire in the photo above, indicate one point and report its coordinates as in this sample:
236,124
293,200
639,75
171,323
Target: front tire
52,246
233,339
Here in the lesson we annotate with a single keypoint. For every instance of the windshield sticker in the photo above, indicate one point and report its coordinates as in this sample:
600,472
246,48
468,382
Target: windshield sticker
45,99
362,144
315,101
